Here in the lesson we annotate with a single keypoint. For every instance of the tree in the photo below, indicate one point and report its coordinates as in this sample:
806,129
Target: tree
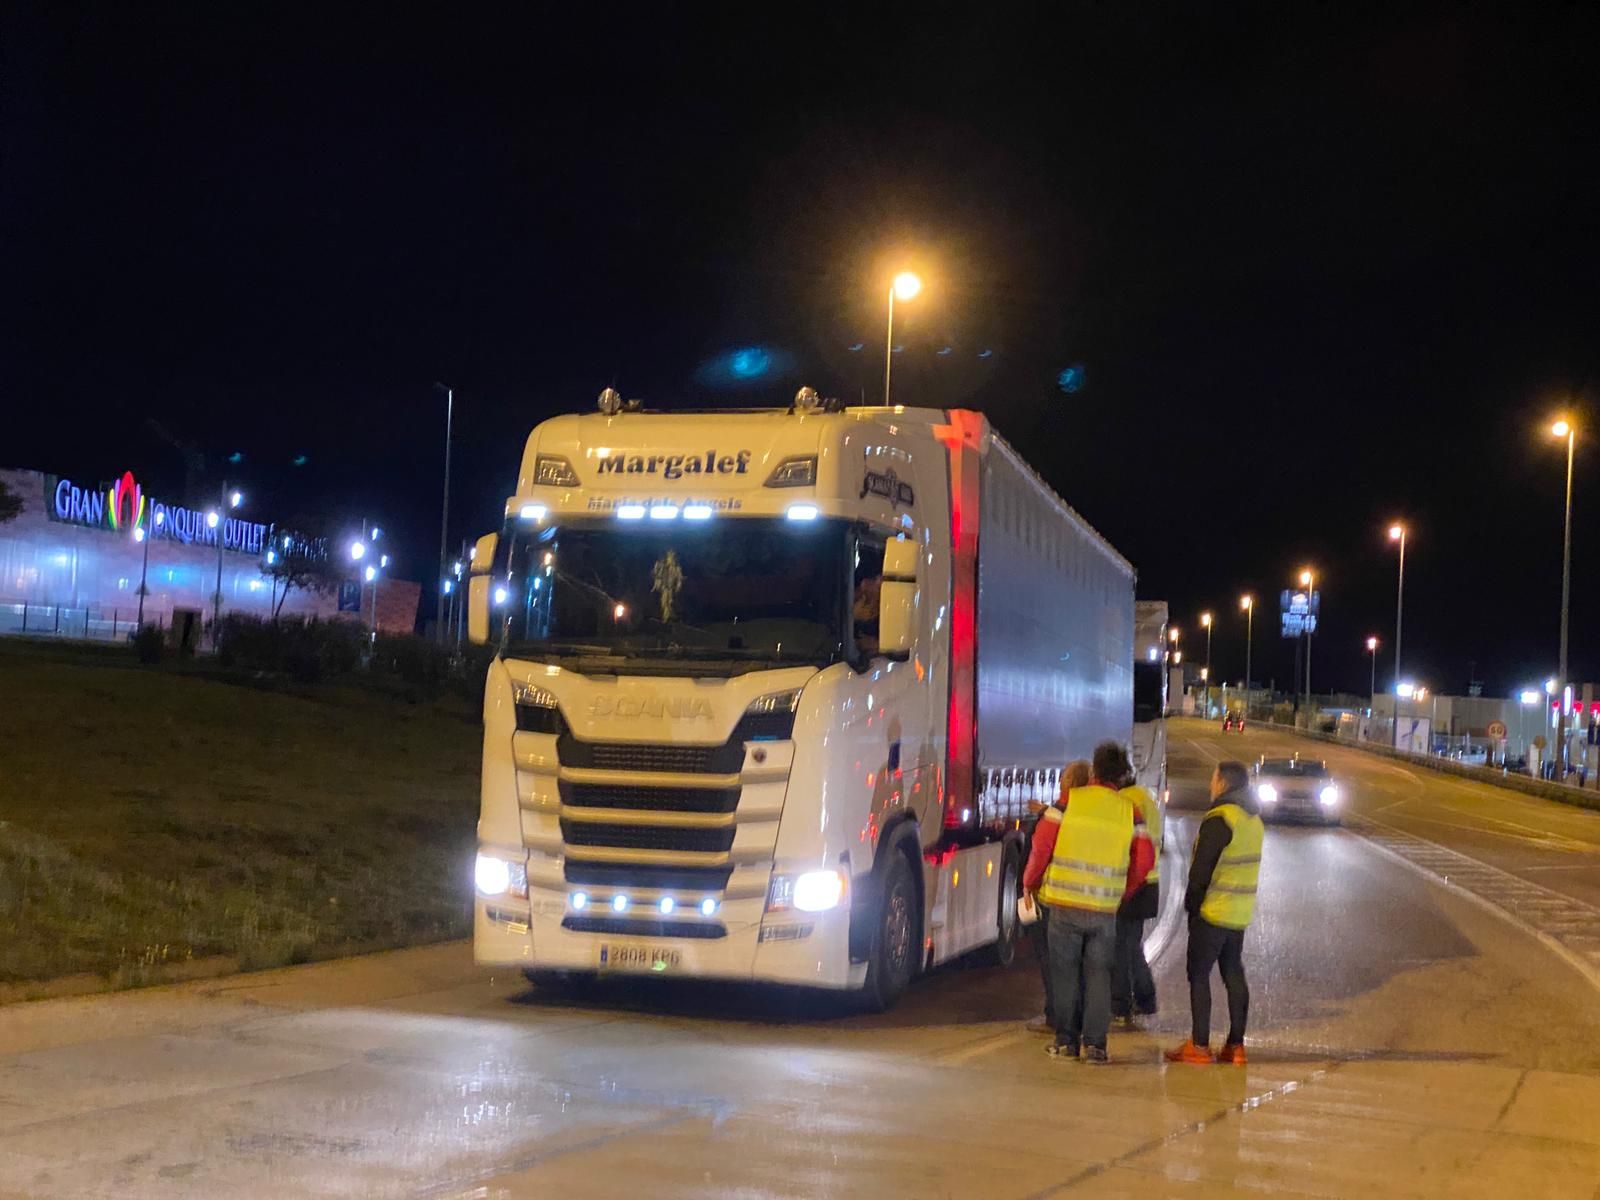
10,504
301,558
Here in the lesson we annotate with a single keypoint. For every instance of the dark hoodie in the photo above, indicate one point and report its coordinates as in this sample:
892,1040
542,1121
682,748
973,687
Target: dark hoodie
1209,845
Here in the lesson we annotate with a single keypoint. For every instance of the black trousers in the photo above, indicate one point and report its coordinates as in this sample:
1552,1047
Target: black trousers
1133,989
1213,946
1041,950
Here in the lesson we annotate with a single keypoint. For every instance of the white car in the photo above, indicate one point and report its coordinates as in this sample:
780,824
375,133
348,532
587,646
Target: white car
1297,788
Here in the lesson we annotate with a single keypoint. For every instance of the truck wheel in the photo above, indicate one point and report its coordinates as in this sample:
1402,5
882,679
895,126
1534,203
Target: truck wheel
896,937
1003,952
569,982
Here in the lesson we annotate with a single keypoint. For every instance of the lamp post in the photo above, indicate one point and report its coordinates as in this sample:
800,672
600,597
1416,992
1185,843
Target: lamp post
1205,621
140,534
1372,693
215,519
1397,533
905,287
444,513
1248,603
1308,580
1564,429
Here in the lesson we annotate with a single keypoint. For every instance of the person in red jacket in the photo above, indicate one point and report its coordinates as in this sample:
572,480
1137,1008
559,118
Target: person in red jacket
1074,775
1081,986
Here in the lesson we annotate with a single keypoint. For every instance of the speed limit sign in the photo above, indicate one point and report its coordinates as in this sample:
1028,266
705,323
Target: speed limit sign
1497,729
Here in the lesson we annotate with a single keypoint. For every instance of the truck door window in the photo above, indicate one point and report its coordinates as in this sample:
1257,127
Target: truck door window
868,583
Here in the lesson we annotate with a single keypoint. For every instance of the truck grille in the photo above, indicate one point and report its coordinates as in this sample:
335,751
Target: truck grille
666,879
622,756
672,929
646,837
650,799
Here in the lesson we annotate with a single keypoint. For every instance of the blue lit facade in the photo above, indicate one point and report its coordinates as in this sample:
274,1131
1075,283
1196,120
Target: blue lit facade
71,563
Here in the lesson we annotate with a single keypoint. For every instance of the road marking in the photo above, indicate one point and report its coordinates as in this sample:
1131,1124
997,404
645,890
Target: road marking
1567,927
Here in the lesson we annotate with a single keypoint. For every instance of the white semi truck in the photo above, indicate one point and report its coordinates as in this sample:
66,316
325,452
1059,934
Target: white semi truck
1150,695
774,690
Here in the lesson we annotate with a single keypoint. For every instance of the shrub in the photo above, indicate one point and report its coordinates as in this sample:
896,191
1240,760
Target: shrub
150,642
307,651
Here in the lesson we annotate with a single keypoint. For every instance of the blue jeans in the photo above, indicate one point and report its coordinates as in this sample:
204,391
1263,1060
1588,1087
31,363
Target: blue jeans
1082,948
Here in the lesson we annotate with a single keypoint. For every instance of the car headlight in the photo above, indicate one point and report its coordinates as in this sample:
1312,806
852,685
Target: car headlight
814,891
496,876
1329,796
1266,793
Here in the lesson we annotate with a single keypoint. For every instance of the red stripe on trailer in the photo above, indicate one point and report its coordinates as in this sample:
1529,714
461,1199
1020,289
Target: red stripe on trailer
963,437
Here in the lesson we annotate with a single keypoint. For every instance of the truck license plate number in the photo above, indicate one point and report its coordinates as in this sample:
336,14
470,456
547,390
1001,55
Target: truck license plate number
638,958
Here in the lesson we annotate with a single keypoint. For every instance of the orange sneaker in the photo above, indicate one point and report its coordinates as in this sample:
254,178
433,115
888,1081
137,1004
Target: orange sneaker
1232,1054
1190,1053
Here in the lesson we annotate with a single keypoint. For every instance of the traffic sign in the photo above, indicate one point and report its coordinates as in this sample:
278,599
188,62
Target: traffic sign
1497,729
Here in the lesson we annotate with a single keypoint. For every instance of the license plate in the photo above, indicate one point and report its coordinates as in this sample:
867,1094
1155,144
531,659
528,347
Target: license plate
626,957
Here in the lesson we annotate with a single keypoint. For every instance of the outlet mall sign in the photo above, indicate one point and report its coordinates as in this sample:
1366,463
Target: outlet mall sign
123,506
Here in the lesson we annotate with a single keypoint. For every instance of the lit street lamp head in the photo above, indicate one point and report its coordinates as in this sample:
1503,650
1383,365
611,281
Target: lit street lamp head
1172,635
1372,645
1305,577
1246,603
1561,428
211,520
372,573
1205,620
1396,532
358,550
236,499
906,286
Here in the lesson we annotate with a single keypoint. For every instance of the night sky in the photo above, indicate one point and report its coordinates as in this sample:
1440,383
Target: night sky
1315,275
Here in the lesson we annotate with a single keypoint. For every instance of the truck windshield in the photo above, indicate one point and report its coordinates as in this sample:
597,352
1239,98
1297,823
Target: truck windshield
730,590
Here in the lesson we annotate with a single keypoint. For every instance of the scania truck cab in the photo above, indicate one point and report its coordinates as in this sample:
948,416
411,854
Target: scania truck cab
773,691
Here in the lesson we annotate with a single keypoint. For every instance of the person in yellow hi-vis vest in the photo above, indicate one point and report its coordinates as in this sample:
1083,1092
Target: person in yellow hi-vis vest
1221,900
1098,854
1133,987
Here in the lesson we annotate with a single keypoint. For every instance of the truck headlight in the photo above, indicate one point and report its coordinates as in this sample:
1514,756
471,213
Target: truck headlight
774,702
814,891
496,876
1329,796
1266,793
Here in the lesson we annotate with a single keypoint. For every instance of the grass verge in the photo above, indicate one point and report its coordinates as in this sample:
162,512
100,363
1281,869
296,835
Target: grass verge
151,817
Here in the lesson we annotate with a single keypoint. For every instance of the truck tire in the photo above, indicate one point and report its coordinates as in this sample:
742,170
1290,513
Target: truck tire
896,936
560,982
1003,951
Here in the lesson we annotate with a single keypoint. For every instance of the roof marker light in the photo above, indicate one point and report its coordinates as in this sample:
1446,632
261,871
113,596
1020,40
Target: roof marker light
580,901
667,905
697,512
663,512
802,512
534,512
630,512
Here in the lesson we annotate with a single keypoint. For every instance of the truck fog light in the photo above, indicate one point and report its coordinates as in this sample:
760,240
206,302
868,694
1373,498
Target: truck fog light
708,907
579,901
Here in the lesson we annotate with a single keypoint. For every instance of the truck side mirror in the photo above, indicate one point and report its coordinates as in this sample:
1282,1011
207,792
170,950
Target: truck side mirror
897,601
478,588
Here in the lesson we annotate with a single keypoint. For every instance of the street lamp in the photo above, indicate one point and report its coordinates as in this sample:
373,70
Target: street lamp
1372,649
1308,580
1248,603
1564,429
227,498
905,287
1397,533
444,507
1205,621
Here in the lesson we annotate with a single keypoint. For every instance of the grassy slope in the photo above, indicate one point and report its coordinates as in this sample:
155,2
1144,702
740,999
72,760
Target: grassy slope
150,816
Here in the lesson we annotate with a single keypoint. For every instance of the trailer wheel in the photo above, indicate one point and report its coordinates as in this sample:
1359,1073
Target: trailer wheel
896,937
1003,952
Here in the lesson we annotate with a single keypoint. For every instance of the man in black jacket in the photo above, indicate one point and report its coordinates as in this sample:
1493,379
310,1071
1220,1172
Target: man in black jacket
1220,901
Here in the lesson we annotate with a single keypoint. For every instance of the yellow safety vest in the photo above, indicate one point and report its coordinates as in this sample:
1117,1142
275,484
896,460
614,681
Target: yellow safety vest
1231,899
1089,869
1150,809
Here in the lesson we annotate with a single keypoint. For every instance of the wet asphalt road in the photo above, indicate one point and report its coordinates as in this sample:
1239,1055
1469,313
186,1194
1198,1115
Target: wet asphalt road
1403,1042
